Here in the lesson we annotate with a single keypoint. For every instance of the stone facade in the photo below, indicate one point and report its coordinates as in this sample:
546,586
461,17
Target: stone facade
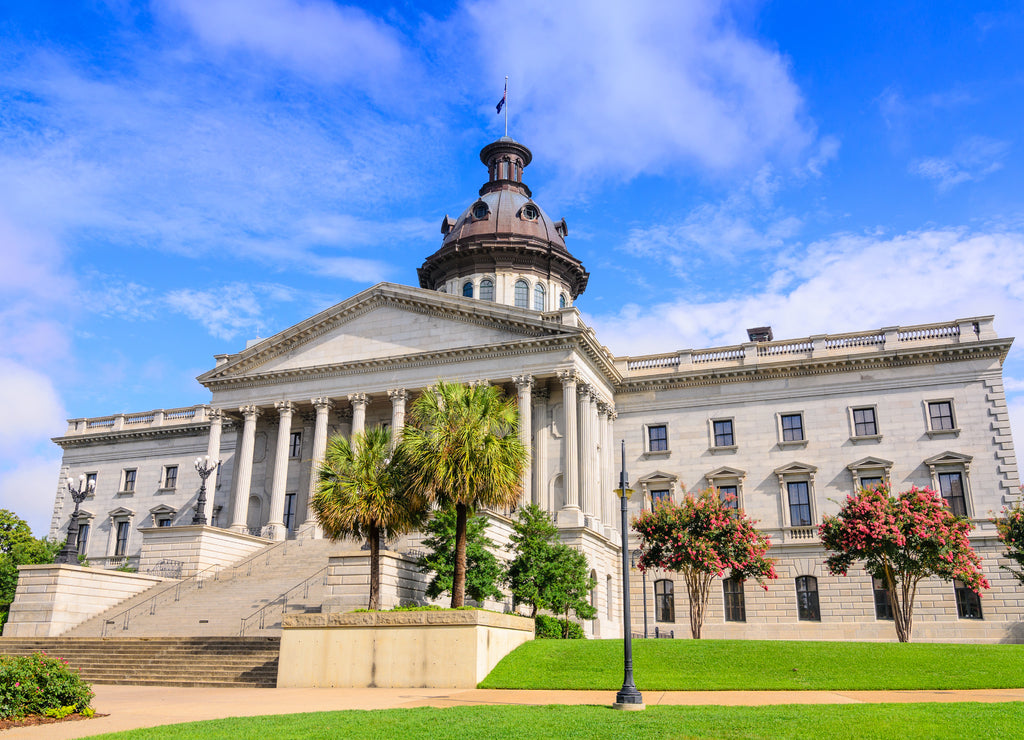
790,426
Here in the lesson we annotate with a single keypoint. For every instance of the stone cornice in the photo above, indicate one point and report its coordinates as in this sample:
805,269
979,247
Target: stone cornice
991,349
95,438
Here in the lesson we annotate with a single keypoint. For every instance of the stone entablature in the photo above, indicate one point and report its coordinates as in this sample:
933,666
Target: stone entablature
145,422
921,339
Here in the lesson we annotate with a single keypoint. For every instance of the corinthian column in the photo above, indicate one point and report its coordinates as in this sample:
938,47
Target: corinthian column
570,515
240,511
398,398
323,409
358,401
586,448
216,418
524,385
541,435
275,528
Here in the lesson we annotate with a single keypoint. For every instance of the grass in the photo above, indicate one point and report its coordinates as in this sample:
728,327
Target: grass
746,665
906,721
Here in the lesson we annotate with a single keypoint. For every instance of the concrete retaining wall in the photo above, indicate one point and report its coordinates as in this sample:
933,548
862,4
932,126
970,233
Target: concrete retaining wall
196,546
433,649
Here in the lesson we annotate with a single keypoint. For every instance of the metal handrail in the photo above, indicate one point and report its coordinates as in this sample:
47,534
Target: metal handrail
281,598
196,579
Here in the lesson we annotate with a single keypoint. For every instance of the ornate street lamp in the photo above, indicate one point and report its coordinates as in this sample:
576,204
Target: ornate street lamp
205,467
628,696
69,553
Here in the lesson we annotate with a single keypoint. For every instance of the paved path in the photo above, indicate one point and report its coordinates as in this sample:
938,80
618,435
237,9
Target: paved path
131,707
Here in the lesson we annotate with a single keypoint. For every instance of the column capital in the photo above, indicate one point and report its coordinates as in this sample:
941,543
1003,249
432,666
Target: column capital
584,390
345,414
568,377
479,382
322,404
250,411
523,382
398,394
541,394
285,407
358,399
603,407
213,414
595,396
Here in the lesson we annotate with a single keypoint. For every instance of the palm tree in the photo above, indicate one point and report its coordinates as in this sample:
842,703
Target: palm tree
358,494
463,450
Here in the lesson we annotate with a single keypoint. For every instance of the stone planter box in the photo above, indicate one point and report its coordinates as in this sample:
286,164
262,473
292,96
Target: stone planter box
430,649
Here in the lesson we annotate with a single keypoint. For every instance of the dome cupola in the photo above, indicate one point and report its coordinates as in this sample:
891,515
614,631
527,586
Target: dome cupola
504,247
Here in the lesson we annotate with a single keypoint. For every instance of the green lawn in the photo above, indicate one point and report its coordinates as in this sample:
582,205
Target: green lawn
906,721
691,665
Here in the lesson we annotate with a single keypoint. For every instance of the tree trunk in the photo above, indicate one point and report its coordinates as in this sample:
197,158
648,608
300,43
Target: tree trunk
533,612
459,577
697,583
374,536
901,602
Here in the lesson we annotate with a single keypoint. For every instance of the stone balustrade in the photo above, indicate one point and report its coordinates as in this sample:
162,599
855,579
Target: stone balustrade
135,422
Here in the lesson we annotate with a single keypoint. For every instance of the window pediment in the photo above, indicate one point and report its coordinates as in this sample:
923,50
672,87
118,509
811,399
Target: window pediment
869,463
796,468
949,458
163,509
725,472
121,511
658,477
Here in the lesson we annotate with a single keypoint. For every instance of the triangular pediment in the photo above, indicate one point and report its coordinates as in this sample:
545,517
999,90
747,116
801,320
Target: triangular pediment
796,468
870,462
121,511
949,458
162,509
724,472
658,477
389,323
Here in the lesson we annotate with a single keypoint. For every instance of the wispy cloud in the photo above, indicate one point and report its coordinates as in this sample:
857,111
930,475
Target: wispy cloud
229,310
972,160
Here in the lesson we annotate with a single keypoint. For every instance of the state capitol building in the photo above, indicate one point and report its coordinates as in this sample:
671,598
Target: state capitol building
789,427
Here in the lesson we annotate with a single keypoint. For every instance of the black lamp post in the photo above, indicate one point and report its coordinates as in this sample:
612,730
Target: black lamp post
205,467
69,553
628,696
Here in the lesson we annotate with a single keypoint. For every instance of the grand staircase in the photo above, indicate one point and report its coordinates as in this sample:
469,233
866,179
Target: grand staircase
219,628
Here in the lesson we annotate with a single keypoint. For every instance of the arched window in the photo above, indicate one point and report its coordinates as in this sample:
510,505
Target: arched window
486,290
807,599
467,289
561,301
664,601
538,297
522,294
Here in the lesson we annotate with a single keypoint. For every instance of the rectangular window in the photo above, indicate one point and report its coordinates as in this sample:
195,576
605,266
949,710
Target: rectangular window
951,486
968,603
121,545
171,476
657,496
792,427
940,416
129,481
723,433
883,609
799,504
864,424
90,481
870,481
289,512
735,608
730,496
83,537
657,438
295,445
807,599
664,601
165,522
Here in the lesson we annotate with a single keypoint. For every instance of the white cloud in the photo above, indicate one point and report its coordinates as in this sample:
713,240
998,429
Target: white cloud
32,407
612,89
230,310
972,160
28,490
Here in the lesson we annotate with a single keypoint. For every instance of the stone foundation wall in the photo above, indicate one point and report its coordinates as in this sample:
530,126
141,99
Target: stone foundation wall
51,599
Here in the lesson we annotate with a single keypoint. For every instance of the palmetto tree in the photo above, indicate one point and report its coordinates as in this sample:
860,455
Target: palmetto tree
463,450
359,493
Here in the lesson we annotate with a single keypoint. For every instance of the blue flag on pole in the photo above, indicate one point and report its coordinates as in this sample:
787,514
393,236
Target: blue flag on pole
504,95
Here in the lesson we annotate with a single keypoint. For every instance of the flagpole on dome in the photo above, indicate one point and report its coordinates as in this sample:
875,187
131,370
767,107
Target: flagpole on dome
502,104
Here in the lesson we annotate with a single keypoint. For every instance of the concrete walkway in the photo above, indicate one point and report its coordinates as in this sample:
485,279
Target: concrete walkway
131,707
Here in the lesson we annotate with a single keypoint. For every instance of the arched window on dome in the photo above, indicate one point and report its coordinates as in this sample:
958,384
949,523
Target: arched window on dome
467,289
538,297
522,294
486,289
561,301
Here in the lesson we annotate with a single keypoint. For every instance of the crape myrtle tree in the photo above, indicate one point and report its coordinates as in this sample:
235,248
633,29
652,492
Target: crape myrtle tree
483,571
360,492
464,452
1011,531
702,537
901,539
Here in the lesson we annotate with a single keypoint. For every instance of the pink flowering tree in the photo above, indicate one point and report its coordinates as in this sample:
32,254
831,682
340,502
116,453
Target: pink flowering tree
702,537
1011,532
901,540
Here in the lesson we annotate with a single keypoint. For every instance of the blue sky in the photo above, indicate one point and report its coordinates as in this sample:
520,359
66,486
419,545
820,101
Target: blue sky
178,176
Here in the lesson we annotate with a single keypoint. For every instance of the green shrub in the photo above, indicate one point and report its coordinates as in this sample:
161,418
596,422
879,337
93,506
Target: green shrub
550,628
33,684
